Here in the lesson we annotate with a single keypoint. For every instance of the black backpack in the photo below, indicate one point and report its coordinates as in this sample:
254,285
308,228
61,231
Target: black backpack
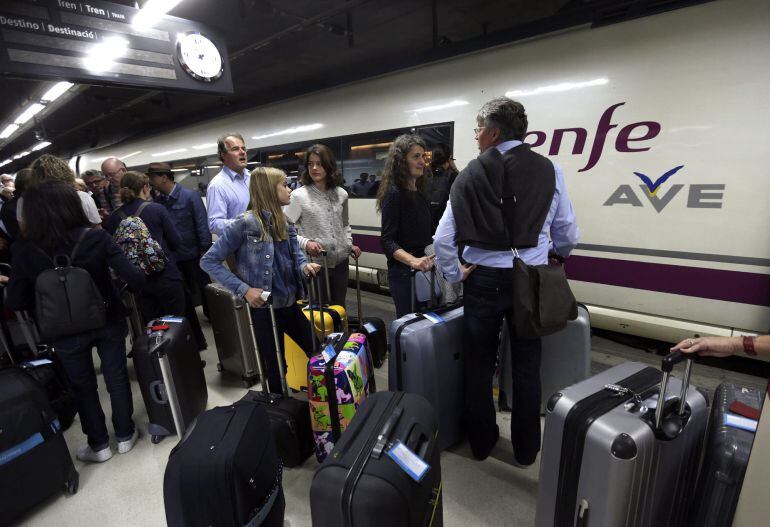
67,301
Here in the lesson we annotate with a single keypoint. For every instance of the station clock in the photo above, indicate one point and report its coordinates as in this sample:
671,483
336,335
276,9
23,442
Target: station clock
199,57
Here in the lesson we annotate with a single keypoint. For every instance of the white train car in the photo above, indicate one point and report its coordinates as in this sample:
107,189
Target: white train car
657,122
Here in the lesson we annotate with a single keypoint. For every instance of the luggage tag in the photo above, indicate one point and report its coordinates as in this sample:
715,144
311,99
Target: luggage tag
742,423
38,362
370,327
409,462
329,353
433,317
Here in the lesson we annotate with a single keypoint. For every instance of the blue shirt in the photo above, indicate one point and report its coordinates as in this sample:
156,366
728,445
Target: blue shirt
560,233
189,216
227,196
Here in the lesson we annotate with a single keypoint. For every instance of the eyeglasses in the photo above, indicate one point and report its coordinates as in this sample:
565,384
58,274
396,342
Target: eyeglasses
477,130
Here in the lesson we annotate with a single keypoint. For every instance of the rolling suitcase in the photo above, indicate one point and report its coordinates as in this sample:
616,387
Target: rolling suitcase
613,456
34,460
728,446
232,333
372,327
49,374
361,484
170,375
225,471
426,359
565,360
340,378
289,417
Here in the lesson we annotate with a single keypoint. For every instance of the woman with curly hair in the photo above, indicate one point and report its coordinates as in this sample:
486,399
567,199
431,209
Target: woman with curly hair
406,216
319,209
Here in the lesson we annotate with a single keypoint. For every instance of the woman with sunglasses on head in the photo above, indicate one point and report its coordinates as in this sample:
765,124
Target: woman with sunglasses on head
268,258
406,217
319,209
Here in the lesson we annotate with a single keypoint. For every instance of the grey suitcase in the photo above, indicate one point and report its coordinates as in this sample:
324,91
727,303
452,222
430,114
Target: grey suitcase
565,360
426,359
232,333
611,457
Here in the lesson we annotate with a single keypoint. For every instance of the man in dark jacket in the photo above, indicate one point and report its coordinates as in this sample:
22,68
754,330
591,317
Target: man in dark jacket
509,197
189,216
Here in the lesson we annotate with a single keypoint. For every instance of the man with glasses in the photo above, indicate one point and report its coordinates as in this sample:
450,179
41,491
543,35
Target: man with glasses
228,193
96,184
113,168
509,197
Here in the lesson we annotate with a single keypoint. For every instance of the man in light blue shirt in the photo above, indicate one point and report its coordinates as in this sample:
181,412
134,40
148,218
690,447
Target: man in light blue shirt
507,197
227,195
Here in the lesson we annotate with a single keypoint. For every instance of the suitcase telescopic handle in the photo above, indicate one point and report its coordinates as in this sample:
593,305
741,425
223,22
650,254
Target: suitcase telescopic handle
326,276
257,352
278,356
358,294
387,430
667,365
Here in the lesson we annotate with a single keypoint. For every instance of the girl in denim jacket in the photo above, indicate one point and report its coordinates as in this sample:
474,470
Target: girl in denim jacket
268,258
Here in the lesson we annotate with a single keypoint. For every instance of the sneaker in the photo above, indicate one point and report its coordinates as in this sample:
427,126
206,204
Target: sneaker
126,445
86,453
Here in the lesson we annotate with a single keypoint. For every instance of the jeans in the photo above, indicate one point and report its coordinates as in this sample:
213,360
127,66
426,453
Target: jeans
488,299
400,284
75,355
290,320
338,284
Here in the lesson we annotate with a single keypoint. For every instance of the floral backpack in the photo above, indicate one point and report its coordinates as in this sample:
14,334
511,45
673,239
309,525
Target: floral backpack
133,237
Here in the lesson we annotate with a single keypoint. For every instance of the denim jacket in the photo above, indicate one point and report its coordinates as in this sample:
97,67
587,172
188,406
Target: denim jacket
254,257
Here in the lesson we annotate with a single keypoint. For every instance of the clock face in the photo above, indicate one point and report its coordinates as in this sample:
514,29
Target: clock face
199,57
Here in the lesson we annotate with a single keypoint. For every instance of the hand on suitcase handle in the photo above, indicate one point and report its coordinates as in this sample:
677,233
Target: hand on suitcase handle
254,297
314,248
312,269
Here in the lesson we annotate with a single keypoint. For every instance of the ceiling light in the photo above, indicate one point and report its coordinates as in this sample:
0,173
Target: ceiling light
20,155
40,145
101,57
5,162
289,131
169,152
56,91
129,155
27,114
367,147
9,130
435,107
554,88
151,12
205,146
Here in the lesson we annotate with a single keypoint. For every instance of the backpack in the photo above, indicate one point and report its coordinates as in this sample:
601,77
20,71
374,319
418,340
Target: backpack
67,301
133,237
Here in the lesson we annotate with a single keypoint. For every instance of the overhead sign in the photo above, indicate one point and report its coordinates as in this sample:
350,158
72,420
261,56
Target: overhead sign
96,42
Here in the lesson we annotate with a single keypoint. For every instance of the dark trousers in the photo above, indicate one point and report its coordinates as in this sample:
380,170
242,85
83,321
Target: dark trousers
488,300
338,284
189,270
75,355
289,320
160,297
400,284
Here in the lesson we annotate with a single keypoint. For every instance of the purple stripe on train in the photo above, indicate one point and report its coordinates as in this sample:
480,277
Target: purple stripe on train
715,284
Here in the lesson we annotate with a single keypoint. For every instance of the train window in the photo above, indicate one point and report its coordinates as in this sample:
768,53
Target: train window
366,154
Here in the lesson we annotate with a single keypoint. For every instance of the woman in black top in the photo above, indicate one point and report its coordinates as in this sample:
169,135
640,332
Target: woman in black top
406,218
164,294
53,219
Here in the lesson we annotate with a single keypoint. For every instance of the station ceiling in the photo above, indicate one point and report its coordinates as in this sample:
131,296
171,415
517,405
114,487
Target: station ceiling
281,49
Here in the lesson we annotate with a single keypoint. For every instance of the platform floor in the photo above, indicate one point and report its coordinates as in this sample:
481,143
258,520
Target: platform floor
127,490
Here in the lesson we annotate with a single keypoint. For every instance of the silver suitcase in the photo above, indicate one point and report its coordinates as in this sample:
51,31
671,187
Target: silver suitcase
611,457
565,360
232,333
426,359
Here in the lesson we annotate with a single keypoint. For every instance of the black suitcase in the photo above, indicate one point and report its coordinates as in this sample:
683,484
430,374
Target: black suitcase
360,485
289,417
48,372
726,457
372,327
34,460
170,375
225,471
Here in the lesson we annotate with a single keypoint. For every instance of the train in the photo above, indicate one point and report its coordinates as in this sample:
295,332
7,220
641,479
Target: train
656,122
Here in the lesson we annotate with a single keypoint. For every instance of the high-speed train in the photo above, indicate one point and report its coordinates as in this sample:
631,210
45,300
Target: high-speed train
660,125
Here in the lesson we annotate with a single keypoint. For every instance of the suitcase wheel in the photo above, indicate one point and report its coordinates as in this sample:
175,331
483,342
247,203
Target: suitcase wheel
220,369
157,439
71,485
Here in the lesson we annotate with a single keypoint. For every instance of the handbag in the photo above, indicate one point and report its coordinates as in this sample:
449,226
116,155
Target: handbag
542,299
